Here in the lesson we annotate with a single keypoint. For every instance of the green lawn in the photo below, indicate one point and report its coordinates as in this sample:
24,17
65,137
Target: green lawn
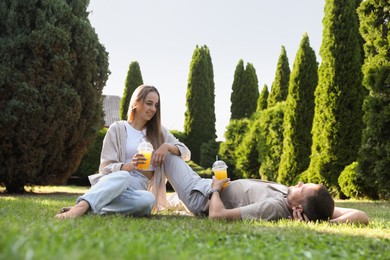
29,231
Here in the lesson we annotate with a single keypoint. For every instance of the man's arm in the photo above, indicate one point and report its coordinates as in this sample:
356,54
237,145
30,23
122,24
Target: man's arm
216,208
347,215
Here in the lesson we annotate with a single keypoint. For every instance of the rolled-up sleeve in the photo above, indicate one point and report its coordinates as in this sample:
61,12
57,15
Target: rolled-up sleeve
185,153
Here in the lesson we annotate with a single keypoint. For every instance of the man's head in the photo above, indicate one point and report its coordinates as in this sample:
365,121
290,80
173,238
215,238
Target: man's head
313,199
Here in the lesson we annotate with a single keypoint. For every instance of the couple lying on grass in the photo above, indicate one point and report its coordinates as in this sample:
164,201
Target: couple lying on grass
121,187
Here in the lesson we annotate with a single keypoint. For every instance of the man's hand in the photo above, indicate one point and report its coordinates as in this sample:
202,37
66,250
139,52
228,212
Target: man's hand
298,214
218,184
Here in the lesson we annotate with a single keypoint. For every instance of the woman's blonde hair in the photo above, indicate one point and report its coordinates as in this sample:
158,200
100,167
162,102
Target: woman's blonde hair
153,126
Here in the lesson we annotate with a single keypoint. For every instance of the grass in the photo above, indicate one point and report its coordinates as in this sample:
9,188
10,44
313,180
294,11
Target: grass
29,231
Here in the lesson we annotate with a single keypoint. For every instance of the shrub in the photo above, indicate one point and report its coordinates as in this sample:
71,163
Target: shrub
91,160
52,72
348,181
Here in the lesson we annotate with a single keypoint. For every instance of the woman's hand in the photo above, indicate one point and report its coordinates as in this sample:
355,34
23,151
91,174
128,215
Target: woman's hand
137,160
160,154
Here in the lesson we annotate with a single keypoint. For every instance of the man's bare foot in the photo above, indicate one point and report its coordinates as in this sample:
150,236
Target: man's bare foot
74,212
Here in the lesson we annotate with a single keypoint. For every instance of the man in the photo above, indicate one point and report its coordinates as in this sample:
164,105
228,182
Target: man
254,199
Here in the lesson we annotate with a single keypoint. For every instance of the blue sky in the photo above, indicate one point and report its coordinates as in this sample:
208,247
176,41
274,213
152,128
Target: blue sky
162,35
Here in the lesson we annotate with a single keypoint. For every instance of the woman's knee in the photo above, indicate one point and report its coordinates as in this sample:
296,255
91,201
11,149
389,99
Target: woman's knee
149,198
146,204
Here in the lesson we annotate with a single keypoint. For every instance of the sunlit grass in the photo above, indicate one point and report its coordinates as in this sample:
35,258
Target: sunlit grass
29,231
53,189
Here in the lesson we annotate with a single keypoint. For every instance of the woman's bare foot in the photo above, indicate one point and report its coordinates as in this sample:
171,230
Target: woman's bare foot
74,212
65,209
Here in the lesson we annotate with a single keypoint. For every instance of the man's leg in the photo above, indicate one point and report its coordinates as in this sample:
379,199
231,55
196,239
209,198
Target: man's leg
190,187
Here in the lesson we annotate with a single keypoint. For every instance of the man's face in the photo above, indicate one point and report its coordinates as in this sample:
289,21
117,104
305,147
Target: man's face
296,194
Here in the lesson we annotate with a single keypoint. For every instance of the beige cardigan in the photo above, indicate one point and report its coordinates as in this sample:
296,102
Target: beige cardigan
114,155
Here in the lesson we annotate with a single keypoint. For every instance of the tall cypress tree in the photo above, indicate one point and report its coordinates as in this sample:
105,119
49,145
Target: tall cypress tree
251,95
245,91
279,88
262,101
133,80
337,123
199,125
374,159
53,70
237,91
298,116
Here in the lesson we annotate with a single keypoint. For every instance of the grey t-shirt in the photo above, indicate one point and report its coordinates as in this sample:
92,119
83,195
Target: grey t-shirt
257,199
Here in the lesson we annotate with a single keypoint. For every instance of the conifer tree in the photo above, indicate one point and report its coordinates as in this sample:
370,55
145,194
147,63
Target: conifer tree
133,80
199,125
298,116
262,101
53,70
374,158
337,123
245,91
251,94
279,88
237,89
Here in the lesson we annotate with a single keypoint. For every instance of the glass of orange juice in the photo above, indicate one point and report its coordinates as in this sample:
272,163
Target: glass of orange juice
146,149
220,171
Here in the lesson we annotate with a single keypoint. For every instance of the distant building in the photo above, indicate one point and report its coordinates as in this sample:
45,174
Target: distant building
111,107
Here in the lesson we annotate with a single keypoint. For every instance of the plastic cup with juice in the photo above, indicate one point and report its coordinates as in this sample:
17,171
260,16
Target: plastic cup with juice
220,171
146,149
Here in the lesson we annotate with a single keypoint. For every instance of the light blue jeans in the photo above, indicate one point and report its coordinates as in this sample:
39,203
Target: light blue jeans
120,192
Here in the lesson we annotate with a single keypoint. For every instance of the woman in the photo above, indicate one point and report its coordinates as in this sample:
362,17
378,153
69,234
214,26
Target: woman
120,187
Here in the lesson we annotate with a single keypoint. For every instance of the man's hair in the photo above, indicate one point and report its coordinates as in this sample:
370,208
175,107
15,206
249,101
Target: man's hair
319,206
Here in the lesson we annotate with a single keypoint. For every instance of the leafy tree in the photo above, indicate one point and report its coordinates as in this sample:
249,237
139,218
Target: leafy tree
245,91
52,73
374,155
279,88
337,123
133,80
199,125
270,125
298,117
262,101
234,135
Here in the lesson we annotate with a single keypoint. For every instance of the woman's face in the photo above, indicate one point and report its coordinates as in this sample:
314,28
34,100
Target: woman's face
147,108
